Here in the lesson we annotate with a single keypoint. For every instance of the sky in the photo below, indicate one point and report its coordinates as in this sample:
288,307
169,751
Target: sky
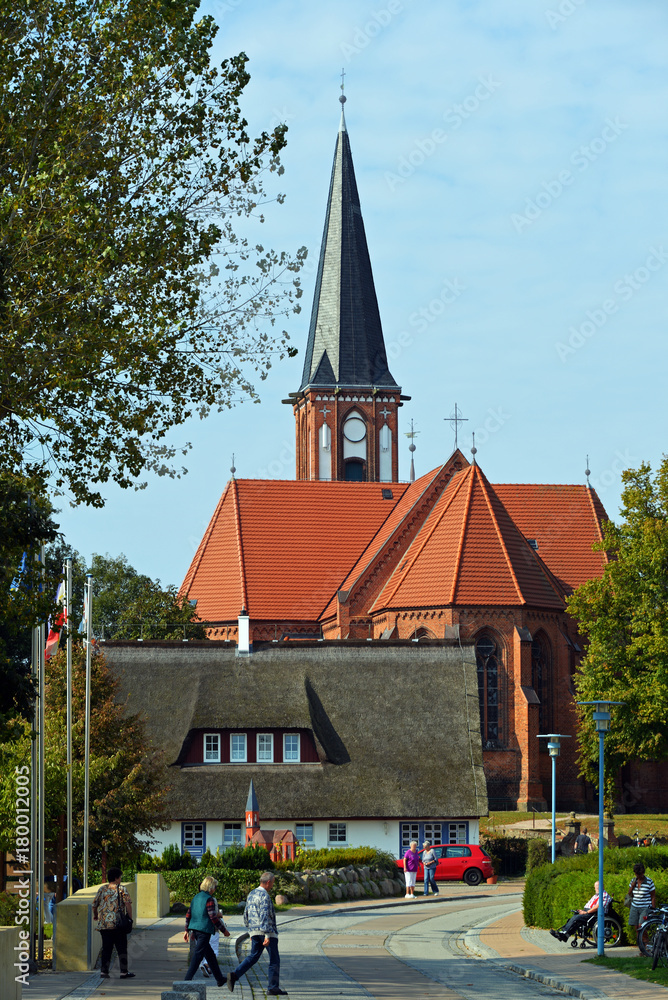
511,166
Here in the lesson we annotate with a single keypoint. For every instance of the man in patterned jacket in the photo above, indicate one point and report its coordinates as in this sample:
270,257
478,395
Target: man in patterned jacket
260,919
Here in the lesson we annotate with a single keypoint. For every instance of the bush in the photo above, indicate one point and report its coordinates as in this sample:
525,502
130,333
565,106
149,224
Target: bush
9,907
233,884
339,857
539,853
509,854
552,891
250,857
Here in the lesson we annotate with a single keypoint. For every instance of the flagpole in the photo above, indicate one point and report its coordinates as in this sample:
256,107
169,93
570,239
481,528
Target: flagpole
41,631
68,605
89,637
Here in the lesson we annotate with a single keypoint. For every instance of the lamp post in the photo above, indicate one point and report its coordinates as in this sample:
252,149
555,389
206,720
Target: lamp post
554,749
602,723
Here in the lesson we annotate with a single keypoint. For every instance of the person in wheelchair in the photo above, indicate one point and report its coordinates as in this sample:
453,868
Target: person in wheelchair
581,917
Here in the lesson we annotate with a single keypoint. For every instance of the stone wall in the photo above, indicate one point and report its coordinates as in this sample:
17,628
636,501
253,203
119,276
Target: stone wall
333,884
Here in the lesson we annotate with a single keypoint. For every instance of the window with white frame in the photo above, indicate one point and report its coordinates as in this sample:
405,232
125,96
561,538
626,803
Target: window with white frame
231,833
265,748
433,832
337,833
409,831
304,833
211,748
192,838
291,748
238,748
458,833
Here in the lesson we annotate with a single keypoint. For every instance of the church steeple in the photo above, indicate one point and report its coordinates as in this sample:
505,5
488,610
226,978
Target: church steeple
346,407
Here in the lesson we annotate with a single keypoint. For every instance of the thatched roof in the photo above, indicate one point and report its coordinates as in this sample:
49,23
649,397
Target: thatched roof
396,725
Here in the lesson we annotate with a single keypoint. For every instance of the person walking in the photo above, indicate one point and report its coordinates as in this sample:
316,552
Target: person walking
411,865
111,900
202,920
429,862
582,842
643,895
260,920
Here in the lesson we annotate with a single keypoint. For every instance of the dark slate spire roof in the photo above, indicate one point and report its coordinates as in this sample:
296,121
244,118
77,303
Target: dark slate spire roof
345,342
251,801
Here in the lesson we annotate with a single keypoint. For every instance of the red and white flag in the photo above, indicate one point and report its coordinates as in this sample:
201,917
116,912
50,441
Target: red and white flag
56,627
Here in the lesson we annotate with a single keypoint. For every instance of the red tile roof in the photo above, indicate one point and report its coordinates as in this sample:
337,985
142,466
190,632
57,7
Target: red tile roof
281,548
470,552
565,521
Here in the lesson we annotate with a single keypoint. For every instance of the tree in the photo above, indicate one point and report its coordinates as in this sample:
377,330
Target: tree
26,598
127,797
126,604
624,616
128,302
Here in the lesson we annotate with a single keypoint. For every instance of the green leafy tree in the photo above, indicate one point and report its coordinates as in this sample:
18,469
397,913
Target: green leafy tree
128,301
624,616
126,604
127,796
26,598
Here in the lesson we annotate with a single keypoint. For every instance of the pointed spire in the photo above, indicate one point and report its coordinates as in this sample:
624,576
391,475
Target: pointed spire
345,342
251,801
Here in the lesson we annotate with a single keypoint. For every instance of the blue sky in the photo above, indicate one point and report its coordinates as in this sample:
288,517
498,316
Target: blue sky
511,165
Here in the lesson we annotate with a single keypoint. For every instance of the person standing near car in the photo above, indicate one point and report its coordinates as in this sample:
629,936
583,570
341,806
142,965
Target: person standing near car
411,865
429,863
643,895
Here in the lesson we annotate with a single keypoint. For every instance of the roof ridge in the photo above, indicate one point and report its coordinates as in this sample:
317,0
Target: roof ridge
195,564
240,546
426,535
377,555
509,562
589,493
460,547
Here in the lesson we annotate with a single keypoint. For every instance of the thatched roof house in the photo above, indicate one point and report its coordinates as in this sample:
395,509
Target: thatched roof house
339,732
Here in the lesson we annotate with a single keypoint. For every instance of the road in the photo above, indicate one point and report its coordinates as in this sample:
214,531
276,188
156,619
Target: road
409,951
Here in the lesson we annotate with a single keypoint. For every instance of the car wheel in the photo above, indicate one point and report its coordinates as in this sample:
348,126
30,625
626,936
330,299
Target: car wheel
473,876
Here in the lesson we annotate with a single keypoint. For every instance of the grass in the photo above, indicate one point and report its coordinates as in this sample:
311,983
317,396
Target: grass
628,823
639,968
488,824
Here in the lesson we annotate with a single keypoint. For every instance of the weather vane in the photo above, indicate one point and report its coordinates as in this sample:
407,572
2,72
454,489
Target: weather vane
588,473
412,434
455,419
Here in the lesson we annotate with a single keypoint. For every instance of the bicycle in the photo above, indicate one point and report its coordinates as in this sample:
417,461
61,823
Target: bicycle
647,931
660,943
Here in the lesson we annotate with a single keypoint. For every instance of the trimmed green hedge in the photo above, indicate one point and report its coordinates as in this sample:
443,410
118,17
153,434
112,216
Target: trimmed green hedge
234,884
552,891
339,857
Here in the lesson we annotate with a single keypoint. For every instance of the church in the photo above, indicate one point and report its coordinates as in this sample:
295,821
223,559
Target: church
383,654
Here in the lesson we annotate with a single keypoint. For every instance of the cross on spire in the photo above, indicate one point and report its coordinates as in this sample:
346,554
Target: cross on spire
343,75
455,419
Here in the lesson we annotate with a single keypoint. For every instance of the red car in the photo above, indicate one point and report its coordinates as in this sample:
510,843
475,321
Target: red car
467,862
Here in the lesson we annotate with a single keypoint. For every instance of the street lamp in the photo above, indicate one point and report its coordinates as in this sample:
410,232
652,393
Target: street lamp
554,749
602,723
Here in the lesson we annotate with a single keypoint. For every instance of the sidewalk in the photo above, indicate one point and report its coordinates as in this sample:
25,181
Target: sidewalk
534,953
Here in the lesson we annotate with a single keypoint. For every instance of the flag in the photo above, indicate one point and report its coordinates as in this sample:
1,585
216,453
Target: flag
55,628
83,625
16,582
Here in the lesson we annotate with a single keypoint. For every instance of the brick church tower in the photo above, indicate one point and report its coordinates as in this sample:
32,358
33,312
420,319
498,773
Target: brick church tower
346,409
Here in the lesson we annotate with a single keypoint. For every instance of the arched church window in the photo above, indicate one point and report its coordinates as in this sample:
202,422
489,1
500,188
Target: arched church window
541,670
488,663
422,632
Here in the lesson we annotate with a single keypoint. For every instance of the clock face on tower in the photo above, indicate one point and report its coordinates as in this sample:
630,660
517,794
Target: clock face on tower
354,429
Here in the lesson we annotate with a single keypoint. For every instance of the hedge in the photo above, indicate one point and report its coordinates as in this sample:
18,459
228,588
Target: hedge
234,884
552,891
508,853
339,857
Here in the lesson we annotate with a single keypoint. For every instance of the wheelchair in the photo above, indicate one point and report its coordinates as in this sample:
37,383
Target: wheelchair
586,934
